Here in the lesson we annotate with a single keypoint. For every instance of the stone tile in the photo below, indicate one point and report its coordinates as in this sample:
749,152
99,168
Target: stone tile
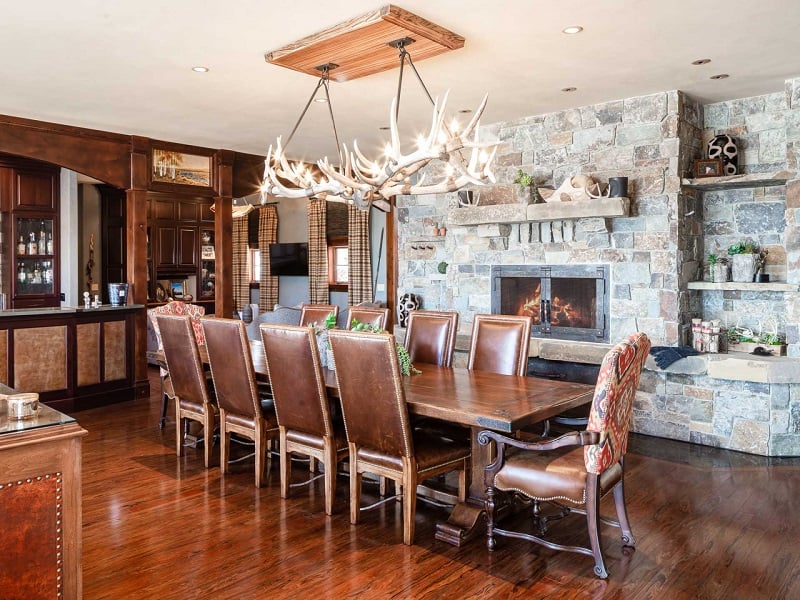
784,445
641,133
756,218
750,436
715,116
772,146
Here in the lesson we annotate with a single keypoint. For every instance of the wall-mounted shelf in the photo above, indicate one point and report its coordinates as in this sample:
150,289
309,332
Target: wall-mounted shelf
732,182
775,286
538,213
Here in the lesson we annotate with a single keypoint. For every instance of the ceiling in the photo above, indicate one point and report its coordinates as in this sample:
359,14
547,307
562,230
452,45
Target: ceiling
126,66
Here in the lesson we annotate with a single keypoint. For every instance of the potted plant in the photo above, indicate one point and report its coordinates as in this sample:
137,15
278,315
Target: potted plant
717,268
528,186
746,259
406,368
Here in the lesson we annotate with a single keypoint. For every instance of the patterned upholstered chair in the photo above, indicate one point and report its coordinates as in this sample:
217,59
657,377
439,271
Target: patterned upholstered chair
500,344
176,307
577,469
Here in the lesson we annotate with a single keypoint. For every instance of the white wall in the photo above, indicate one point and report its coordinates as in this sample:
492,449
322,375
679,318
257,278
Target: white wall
69,238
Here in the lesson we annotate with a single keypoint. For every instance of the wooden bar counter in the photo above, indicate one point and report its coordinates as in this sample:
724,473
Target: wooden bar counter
74,358
40,504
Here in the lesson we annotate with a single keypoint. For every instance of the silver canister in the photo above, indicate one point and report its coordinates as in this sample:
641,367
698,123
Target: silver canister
22,406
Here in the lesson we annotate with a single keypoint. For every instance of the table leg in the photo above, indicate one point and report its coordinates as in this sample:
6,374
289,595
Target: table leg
468,519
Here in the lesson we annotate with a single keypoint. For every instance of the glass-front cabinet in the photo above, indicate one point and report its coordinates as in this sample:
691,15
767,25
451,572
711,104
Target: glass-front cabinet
35,256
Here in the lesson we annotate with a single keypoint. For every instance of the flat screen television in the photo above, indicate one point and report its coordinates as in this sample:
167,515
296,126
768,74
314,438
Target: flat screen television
288,259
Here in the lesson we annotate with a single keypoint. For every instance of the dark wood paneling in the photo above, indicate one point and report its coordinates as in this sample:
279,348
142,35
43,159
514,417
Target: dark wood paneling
113,223
164,210
187,248
166,247
35,190
188,211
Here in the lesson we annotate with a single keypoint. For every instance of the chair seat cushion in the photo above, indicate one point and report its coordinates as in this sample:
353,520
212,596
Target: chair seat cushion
195,407
551,475
314,440
434,452
248,422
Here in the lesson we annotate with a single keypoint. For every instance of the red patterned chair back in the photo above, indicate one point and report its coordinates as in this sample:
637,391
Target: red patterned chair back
612,405
176,307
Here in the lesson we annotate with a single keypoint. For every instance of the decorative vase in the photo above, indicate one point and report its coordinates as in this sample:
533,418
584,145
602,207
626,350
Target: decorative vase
743,267
724,147
719,272
324,347
408,302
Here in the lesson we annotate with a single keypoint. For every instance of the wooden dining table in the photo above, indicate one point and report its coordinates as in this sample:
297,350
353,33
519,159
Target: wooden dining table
476,399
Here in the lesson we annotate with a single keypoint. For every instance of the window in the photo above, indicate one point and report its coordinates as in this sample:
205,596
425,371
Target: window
338,261
254,265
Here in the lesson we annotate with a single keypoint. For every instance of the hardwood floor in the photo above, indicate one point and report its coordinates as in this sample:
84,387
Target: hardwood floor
708,524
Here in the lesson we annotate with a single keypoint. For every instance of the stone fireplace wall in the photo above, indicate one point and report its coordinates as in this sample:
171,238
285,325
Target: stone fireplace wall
649,254
729,401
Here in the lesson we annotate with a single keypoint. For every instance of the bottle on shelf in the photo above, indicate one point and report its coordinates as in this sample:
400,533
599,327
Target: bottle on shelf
47,267
37,274
21,246
42,240
21,276
50,243
33,247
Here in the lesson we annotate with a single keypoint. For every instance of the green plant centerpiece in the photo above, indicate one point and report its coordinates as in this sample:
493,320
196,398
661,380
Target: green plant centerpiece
406,368
323,343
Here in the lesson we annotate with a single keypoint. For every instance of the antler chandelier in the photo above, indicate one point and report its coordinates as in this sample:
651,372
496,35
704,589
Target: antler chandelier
366,182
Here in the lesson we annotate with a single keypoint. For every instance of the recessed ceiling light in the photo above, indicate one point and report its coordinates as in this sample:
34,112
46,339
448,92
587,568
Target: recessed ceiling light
720,76
572,29
569,89
199,69
701,61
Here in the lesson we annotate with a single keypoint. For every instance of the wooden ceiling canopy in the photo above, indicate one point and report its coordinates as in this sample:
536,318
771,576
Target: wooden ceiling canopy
359,47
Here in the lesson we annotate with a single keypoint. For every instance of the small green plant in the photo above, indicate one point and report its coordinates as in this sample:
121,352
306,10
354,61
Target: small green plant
330,321
523,178
403,358
713,259
743,248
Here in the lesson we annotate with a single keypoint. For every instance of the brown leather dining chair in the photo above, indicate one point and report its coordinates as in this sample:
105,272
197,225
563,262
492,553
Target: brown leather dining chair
301,404
431,337
500,344
193,400
372,315
376,419
317,313
241,411
577,469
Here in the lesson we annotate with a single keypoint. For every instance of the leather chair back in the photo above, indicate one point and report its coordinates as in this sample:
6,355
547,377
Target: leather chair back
371,392
231,366
183,358
431,337
317,313
176,307
378,317
500,344
295,374
612,405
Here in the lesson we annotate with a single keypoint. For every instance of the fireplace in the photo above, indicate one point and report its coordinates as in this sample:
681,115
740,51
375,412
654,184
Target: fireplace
567,302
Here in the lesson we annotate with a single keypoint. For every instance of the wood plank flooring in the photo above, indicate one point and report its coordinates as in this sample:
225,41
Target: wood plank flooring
708,524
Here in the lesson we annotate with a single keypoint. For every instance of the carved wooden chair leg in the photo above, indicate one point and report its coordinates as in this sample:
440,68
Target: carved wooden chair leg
491,543
593,523
622,514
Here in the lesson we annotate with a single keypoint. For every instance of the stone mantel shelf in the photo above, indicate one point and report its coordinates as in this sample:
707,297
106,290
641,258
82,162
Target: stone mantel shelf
537,213
775,286
730,182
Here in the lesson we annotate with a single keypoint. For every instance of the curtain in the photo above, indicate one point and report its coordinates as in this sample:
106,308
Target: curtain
267,234
317,253
241,282
359,285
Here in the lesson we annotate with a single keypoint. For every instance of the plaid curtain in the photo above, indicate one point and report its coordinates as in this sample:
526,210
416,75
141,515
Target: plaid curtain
317,253
267,234
241,282
359,272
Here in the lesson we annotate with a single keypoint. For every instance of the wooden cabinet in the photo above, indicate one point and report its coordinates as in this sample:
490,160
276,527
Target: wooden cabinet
177,226
29,201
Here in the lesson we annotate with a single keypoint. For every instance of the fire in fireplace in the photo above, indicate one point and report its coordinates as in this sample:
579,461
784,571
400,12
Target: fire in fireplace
563,301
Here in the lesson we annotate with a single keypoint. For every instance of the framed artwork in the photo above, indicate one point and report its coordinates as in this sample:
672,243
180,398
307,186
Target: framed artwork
177,288
708,167
180,168
207,253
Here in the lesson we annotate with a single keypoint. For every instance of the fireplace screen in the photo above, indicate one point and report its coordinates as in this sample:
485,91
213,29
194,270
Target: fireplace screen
568,302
